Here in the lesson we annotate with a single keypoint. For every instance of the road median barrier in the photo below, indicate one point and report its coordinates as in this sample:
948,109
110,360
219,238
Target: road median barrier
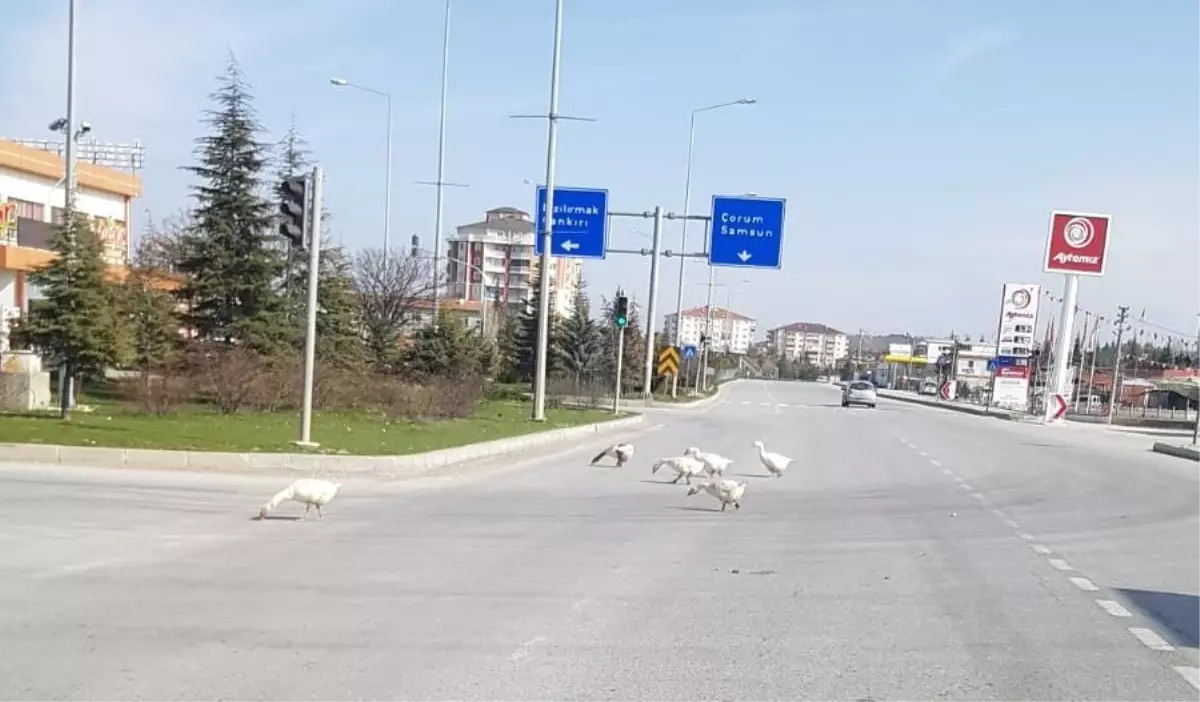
1191,453
412,465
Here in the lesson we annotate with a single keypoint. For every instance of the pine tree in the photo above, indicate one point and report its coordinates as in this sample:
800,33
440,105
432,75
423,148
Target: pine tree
581,347
232,268
292,159
446,350
77,324
634,353
527,337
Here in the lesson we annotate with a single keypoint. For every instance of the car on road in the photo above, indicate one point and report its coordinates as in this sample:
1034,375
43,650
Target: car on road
859,392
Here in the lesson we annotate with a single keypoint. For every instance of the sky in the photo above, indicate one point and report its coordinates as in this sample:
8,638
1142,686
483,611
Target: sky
920,144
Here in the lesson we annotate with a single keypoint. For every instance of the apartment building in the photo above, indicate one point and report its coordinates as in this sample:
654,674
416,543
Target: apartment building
819,344
493,260
731,332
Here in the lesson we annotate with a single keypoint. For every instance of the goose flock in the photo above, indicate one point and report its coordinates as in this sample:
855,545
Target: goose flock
709,468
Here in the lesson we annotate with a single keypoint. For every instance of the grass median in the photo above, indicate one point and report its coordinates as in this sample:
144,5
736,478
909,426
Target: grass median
350,433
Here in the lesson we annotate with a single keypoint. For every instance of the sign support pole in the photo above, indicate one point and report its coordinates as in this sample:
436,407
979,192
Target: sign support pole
1062,355
620,360
652,305
310,335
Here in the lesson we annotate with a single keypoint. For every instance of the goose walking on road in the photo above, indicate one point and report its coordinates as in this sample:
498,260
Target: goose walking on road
729,492
714,464
621,452
685,467
775,463
308,491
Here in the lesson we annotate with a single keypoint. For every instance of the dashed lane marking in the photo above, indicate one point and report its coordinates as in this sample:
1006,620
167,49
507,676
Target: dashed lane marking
977,496
1084,584
764,404
922,454
1114,608
1011,524
1000,513
1192,675
1059,564
782,405
935,462
947,471
1038,548
1151,640
1025,535
967,486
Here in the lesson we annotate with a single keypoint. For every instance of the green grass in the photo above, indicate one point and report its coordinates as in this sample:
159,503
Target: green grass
357,433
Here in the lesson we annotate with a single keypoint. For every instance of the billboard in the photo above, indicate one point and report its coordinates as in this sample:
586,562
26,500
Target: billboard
1018,319
1077,243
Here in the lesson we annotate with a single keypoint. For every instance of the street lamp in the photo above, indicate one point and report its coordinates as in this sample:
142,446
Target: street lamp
687,196
387,195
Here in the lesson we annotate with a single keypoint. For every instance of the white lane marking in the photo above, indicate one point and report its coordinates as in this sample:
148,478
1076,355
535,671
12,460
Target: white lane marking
1044,550
1000,513
764,404
1011,524
745,402
523,650
935,462
1192,675
1025,535
922,454
967,486
947,471
958,479
77,568
977,496
1059,564
1084,584
1152,641
781,405
1114,608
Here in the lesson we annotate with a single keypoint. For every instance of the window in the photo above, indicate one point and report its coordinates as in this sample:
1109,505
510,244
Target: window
29,210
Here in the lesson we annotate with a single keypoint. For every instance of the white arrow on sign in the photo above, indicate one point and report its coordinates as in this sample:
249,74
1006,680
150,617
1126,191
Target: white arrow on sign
744,255
569,245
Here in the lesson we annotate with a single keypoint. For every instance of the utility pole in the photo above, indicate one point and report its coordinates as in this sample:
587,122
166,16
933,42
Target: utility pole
1115,394
67,374
652,305
310,334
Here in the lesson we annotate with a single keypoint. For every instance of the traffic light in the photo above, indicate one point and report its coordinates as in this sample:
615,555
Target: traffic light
293,209
621,311
703,340
416,246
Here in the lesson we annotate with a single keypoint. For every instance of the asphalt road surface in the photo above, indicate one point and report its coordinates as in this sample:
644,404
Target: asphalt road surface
909,553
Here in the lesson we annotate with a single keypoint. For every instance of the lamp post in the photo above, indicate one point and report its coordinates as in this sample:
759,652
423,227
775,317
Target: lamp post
687,197
387,187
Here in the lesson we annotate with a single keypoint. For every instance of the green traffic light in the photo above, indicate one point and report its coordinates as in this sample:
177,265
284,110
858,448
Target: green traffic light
622,321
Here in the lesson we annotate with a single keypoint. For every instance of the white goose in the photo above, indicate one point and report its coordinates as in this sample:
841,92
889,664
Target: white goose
308,491
714,464
685,467
621,452
775,463
729,492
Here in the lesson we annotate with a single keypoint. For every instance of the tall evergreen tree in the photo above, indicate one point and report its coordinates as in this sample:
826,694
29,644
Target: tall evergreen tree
291,159
527,337
581,347
231,264
77,324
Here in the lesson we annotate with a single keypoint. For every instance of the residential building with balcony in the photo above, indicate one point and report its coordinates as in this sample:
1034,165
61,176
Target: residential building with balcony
815,343
493,260
731,332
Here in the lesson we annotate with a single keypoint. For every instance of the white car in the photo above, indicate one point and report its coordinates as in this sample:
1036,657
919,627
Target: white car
859,392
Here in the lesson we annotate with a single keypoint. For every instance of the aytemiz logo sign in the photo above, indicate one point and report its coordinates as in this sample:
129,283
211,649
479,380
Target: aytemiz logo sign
1078,243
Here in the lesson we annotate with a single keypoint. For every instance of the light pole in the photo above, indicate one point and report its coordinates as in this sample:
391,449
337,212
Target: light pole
387,187
65,384
687,197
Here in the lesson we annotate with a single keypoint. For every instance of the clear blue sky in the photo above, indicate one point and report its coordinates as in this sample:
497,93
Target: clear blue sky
920,144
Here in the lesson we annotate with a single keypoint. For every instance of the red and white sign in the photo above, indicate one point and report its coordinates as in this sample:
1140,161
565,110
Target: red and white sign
1013,372
1057,408
1078,243
944,390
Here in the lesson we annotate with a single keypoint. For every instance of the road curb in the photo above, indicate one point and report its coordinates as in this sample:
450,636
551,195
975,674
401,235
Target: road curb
1177,451
964,409
329,464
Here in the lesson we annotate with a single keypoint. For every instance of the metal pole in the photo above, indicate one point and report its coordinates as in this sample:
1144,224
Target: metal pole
620,363
543,342
1196,426
1114,394
441,168
651,311
687,198
66,375
310,335
712,271
387,196
1062,361
1095,343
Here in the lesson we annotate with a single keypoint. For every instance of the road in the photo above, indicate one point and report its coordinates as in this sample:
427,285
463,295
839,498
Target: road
909,553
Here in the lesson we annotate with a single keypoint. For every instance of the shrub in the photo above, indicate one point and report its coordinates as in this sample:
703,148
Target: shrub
439,398
229,377
159,391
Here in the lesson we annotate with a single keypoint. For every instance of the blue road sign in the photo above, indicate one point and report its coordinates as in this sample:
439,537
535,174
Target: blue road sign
746,232
689,351
580,227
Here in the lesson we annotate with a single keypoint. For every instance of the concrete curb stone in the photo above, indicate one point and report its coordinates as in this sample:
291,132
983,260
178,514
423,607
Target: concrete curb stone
1186,452
331,464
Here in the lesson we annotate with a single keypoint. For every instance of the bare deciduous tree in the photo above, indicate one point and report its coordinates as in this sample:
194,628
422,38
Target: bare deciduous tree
390,288
160,247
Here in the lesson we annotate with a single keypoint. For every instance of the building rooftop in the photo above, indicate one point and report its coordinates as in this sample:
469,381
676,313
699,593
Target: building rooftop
48,164
717,313
808,328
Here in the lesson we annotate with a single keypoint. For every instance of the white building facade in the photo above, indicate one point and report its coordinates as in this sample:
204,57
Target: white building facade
815,343
493,260
731,332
